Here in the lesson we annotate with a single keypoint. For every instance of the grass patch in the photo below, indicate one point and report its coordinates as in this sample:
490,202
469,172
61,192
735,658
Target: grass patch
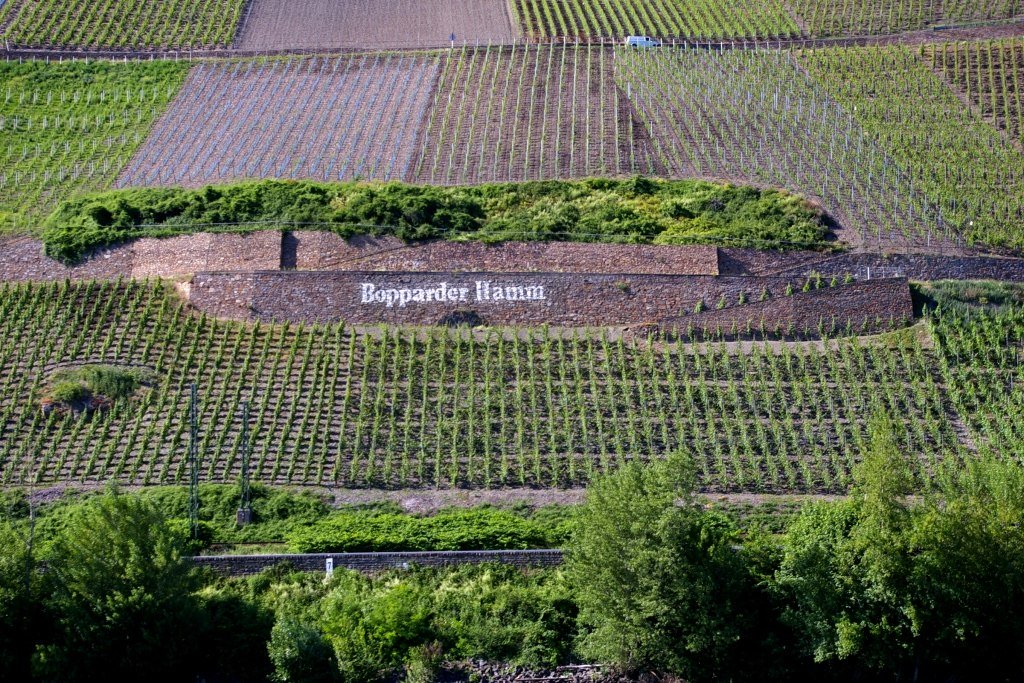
70,128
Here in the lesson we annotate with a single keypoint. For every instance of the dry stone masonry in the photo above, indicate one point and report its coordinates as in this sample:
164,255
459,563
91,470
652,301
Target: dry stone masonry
320,277
561,299
246,565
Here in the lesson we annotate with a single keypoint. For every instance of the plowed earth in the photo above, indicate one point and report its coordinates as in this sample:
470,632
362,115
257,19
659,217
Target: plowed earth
290,24
326,119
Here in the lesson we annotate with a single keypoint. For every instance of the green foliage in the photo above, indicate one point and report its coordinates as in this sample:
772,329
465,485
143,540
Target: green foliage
454,529
499,614
301,653
69,392
78,384
374,626
20,625
858,547
655,575
638,210
121,595
276,511
72,127
235,632
124,24
878,584
963,295
357,628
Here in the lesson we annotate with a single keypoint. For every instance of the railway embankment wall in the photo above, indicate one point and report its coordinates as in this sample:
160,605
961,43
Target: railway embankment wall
247,565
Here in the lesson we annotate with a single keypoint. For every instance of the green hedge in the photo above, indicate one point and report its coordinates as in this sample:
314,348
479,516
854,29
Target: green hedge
470,529
639,210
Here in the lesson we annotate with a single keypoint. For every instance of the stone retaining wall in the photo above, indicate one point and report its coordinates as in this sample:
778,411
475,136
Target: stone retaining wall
194,253
911,266
245,565
327,251
362,298
22,259
573,300
867,306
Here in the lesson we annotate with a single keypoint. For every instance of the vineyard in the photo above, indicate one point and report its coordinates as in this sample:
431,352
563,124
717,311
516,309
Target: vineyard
320,118
872,17
971,177
705,19
989,75
333,406
70,128
757,117
361,24
916,148
981,360
530,113
136,24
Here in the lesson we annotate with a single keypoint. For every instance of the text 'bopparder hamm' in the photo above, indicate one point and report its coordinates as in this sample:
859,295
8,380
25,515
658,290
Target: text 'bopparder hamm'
443,293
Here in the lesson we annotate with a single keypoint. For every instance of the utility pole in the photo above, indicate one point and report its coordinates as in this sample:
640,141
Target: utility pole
193,463
244,515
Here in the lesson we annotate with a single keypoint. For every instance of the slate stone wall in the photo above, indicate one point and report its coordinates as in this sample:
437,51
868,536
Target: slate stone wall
866,306
579,299
245,565
327,251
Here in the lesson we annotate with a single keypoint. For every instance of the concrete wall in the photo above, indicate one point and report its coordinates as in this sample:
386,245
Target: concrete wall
244,565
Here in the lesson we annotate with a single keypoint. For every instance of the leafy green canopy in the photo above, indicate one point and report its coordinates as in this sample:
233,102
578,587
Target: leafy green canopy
659,582
881,584
597,210
477,529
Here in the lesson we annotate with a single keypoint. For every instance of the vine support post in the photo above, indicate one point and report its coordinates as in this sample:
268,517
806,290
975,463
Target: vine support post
193,462
244,515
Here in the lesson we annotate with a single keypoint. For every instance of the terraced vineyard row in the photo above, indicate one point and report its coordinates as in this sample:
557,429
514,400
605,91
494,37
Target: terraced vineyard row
530,113
136,24
989,75
68,128
873,17
319,118
703,19
756,117
981,360
971,176
406,408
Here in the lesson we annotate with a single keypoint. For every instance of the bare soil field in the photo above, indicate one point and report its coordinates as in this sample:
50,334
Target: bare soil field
530,113
318,118
304,24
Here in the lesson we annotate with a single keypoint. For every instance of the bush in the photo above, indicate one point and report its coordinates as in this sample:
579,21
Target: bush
300,653
121,595
471,529
79,384
658,583
597,210
69,392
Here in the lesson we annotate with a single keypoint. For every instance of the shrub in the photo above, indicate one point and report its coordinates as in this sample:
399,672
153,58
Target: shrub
597,210
472,529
